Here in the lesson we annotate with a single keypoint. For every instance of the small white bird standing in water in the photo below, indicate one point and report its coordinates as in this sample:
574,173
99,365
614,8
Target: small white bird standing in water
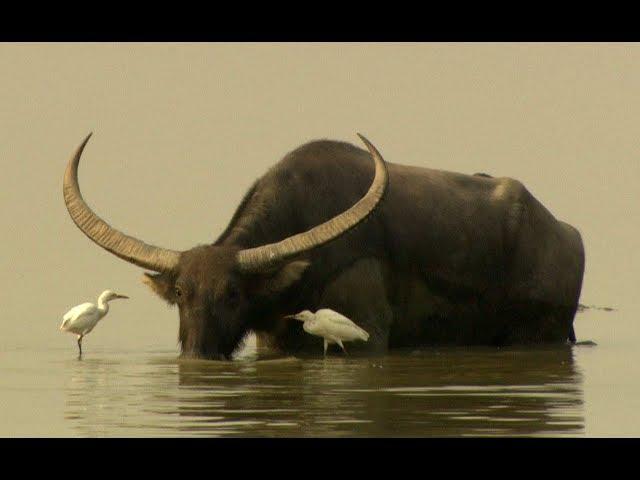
330,325
82,318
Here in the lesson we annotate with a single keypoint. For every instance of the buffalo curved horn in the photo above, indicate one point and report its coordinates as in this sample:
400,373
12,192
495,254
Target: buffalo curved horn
266,257
128,248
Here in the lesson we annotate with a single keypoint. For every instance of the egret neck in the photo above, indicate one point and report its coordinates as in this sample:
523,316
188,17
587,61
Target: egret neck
103,303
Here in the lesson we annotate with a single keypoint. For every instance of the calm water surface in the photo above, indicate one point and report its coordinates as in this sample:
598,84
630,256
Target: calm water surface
542,391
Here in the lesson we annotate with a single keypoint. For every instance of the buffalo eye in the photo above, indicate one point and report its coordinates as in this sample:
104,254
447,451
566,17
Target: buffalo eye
178,291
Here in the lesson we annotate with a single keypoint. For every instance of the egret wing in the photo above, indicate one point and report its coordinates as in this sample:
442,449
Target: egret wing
80,317
347,328
348,332
334,317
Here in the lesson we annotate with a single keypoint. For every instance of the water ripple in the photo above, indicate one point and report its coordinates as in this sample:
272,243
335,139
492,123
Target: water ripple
457,392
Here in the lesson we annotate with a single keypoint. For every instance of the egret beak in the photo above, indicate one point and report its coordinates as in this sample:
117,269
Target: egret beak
294,317
121,296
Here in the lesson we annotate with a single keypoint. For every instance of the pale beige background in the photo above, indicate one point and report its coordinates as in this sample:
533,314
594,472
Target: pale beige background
181,131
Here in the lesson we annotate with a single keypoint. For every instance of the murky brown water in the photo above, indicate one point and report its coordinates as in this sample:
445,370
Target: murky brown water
548,391
434,392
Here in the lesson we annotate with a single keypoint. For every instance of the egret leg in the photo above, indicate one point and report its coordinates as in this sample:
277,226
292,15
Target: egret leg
339,342
80,345
326,344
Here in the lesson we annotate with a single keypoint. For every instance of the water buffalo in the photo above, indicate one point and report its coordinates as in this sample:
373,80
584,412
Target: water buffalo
413,255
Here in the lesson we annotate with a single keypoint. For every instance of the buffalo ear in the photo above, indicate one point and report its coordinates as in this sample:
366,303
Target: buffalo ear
162,285
282,278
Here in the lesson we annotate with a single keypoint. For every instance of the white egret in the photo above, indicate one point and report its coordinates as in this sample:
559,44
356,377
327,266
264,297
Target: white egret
330,325
82,318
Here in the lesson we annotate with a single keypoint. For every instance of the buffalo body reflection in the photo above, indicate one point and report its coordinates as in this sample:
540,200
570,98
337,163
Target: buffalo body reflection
423,393
434,392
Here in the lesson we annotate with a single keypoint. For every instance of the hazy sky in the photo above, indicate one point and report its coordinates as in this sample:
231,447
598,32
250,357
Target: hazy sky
181,131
